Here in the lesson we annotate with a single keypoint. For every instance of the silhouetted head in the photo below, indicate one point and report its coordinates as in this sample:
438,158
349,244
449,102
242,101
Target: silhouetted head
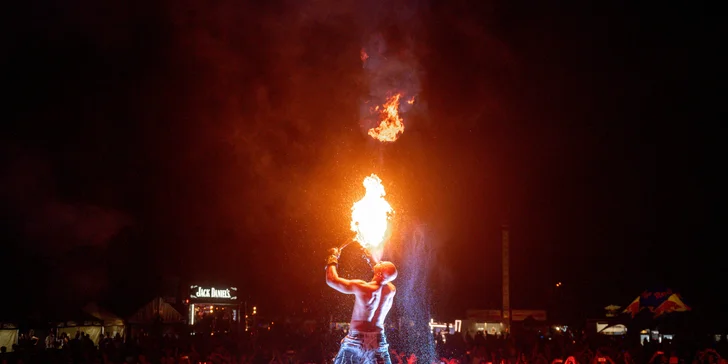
385,272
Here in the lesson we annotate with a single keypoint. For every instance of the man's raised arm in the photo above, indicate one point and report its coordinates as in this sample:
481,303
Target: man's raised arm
332,275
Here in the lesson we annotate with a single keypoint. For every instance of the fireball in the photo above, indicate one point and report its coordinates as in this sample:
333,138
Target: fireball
370,216
391,125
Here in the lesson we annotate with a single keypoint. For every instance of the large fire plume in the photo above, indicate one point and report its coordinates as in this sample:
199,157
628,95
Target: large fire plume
391,125
370,216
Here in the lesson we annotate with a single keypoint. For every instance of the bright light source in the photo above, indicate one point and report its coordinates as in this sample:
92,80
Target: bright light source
192,314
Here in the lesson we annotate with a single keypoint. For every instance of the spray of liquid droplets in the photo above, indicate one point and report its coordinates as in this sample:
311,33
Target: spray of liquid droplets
413,301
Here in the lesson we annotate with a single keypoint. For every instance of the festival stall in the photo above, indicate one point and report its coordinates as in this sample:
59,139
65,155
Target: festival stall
658,301
112,324
8,335
653,313
157,315
215,309
80,323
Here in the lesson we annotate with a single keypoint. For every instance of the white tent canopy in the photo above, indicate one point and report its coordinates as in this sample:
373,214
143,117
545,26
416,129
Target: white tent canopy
8,335
617,329
90,326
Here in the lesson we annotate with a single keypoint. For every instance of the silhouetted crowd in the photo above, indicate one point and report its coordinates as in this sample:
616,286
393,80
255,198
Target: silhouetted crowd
571,348
282,346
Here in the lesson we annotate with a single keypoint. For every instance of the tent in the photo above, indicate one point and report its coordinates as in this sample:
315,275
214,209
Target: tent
618,329
83,323
658,301
158,316
8,335
112,324
155,310
672,304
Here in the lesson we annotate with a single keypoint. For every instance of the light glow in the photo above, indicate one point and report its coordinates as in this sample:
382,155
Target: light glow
391,125
192,314
370,216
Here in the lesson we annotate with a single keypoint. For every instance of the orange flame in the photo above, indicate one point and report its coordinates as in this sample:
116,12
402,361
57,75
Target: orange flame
370,216
391,126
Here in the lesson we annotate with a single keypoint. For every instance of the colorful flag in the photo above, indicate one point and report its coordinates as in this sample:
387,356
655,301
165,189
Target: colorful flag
672,304
633,307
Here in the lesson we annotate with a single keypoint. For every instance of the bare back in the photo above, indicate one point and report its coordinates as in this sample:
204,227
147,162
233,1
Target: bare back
372,304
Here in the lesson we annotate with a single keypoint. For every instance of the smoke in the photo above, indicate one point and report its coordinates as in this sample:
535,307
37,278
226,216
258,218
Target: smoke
67,225
55,224
391,67
242,122
276,92
388,35
300,98
59,238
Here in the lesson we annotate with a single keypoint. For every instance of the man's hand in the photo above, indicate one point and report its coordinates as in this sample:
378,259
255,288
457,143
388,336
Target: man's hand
335,252
333,258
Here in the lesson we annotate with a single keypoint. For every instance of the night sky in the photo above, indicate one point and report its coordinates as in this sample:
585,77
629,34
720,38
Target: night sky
149,143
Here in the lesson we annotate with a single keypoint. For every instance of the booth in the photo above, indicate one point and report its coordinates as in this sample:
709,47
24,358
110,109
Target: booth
82,323
214,309
157,310
8,335
111,324
157,315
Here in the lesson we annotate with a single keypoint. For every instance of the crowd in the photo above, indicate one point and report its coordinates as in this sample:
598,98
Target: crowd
282,346
572,348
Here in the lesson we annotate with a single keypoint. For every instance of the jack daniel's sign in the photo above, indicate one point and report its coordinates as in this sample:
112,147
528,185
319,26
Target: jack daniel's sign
200,292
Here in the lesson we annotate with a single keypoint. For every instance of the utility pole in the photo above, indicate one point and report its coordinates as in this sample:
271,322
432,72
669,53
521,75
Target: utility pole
505,240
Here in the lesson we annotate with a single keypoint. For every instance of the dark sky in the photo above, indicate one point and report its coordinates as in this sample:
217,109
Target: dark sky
150,143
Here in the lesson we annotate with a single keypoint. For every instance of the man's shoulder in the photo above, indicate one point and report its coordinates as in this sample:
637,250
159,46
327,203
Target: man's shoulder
359,283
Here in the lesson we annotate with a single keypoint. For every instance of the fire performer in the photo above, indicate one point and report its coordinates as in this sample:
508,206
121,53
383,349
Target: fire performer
366,342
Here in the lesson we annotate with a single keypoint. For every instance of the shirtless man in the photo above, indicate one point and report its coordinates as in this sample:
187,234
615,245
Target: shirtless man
365,343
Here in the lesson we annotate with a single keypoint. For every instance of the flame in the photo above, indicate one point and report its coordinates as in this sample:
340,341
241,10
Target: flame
391,126
370,216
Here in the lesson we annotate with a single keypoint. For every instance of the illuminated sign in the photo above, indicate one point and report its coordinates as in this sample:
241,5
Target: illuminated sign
456,327
199,292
